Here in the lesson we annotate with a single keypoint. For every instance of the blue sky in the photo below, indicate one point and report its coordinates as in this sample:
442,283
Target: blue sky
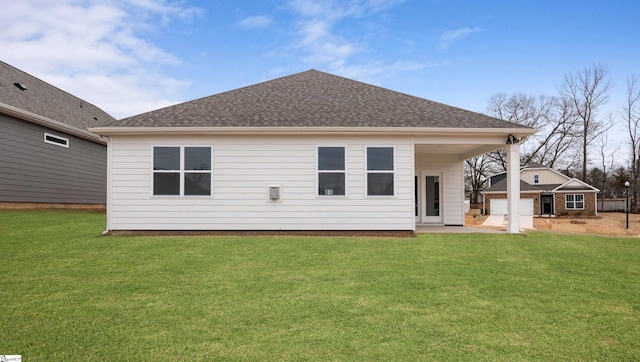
131,56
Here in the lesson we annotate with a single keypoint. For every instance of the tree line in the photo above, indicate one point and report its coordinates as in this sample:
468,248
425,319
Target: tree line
574,134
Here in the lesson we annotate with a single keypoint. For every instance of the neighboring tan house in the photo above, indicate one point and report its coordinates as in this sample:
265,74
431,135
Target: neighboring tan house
543,191
47,156
309,151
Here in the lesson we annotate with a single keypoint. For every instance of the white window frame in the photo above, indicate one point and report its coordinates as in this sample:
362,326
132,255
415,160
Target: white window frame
536,179
50,135
367,172
181,171
319,171
574,202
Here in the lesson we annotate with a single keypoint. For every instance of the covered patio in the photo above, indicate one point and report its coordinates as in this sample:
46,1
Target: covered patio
439,175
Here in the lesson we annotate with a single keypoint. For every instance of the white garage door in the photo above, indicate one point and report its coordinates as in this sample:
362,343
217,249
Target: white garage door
499,207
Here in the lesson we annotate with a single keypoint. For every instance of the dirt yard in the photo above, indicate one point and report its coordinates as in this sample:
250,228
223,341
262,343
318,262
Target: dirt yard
606,223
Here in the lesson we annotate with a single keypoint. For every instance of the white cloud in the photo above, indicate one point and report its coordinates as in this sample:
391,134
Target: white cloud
309,8
339,9
369,71
95,50
319,43
252,22
312,31
450,36
321,47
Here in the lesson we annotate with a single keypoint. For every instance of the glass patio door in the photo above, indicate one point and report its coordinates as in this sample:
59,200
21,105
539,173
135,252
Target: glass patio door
429,197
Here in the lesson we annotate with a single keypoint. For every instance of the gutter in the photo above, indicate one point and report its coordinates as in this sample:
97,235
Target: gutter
369,131
50,123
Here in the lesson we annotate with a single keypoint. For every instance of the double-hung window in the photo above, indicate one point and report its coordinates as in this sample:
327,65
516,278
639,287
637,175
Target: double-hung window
536,179
331,171
181,171
574,201
380,171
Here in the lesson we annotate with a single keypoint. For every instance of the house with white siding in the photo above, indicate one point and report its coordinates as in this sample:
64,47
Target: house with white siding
309,151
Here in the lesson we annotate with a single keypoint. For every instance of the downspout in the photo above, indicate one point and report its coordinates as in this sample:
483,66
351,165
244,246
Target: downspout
107,231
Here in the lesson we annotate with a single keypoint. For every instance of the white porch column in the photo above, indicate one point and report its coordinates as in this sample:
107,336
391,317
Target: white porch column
513,188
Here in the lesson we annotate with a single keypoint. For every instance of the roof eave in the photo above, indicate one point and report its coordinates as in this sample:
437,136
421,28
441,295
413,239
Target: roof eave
505,191
50,123
413,131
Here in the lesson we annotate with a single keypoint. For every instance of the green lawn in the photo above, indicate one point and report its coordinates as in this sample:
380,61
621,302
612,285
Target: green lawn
68,294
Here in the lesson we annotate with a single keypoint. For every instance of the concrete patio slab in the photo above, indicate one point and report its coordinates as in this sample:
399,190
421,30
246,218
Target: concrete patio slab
440,229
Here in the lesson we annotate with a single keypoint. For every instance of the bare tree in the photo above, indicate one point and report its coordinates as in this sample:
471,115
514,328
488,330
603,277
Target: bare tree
587,91
553,117
607,162
477,171
632,118
557,146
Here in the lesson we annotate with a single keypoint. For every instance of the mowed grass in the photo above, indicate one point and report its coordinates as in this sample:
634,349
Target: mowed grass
68,294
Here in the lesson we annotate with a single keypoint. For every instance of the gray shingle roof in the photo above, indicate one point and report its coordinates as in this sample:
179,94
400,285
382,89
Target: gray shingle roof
536,165
313,99
48,101
501,186
575,188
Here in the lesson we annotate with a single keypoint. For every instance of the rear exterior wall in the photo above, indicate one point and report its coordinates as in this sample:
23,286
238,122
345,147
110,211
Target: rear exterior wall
243,169
32,171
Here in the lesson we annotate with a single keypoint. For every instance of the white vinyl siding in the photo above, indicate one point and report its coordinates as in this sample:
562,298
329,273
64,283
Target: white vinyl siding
545,177
452,184
243,170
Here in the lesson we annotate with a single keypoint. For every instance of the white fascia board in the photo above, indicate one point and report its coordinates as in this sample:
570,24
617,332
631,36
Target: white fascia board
49,123
387,131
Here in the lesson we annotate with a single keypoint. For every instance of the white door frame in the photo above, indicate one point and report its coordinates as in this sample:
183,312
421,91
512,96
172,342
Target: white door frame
422,200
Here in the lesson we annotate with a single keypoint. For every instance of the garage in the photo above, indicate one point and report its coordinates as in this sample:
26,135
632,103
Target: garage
499,207
498,211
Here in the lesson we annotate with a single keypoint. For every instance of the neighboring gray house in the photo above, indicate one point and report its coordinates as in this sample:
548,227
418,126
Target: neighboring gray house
47,156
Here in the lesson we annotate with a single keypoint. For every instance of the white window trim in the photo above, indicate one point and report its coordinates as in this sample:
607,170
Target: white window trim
66,140
366,171
318,172
566,202
181,172
536,179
